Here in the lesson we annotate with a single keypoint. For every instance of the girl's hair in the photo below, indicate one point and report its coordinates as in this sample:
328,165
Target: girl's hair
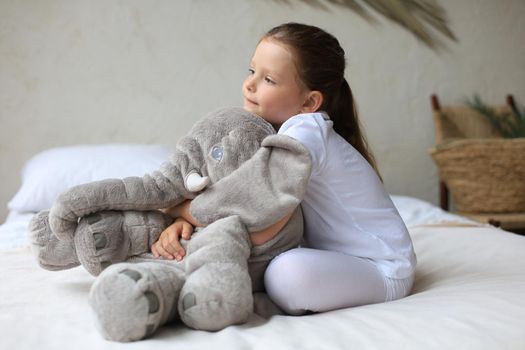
320,63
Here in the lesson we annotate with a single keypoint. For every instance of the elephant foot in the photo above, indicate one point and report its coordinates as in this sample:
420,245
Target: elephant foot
110,237
50,252
131,301
216,296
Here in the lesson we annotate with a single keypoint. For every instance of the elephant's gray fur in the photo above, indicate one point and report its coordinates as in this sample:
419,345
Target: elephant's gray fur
253,177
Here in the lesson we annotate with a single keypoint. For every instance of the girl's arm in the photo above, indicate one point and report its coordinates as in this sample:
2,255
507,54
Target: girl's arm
268,233
259,237
183,211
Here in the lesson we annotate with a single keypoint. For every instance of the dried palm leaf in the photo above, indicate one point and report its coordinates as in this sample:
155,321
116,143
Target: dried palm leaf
417,16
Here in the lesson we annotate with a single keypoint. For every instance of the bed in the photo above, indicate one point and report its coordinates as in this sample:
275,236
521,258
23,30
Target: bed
468,294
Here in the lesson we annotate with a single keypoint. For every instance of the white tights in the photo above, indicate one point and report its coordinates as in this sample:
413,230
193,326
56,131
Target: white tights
305,279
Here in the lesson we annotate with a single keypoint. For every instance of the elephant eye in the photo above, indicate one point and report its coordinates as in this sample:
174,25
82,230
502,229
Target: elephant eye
217,153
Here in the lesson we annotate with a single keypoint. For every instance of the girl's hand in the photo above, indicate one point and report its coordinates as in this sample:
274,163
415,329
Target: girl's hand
168,245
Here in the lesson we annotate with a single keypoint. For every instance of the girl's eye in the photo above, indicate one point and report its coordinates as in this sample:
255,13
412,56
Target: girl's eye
251,71
269,80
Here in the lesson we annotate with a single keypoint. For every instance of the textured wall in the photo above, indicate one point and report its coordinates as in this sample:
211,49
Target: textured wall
75,71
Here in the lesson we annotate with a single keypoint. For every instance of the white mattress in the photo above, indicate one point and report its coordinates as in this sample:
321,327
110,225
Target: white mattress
468,293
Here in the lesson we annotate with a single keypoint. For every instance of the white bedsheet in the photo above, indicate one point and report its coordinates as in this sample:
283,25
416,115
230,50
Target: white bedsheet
468,294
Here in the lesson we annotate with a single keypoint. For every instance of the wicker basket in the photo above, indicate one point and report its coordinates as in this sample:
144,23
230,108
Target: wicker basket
484,175
484,172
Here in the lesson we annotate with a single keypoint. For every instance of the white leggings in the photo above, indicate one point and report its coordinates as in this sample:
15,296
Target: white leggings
304,279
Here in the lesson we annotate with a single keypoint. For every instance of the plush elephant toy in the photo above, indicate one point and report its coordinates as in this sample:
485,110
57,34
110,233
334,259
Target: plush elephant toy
241,176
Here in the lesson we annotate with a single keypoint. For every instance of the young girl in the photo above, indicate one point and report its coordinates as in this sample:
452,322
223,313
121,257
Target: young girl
357,249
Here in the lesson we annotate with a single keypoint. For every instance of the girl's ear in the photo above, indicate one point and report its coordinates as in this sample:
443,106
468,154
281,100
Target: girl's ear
314,100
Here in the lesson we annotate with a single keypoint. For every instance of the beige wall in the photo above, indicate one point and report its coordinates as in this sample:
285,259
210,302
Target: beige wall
75,71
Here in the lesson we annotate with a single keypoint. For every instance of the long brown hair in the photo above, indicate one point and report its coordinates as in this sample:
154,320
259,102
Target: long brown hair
320,62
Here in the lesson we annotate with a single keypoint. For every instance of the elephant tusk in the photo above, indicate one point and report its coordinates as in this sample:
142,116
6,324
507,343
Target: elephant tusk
195,183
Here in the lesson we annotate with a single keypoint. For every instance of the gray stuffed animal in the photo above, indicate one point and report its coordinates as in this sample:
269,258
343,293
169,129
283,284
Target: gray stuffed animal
241,177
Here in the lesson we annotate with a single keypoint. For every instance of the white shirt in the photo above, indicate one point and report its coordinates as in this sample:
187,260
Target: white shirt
346,207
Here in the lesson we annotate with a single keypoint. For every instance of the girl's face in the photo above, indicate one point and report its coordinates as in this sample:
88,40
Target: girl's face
272,89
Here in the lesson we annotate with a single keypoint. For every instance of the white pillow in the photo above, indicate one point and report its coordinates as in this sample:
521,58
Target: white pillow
51,172
415,211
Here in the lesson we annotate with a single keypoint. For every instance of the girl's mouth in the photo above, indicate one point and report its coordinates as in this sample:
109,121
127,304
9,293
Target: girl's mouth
250,101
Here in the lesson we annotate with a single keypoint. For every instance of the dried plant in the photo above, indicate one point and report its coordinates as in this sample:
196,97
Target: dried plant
420,17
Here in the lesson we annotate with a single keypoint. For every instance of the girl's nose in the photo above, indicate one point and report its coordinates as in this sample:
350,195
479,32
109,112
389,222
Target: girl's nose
249,83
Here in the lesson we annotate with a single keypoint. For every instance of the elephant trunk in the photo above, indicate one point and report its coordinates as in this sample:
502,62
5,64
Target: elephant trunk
161,189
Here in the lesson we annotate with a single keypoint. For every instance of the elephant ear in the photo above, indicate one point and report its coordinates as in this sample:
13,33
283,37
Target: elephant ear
263,189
